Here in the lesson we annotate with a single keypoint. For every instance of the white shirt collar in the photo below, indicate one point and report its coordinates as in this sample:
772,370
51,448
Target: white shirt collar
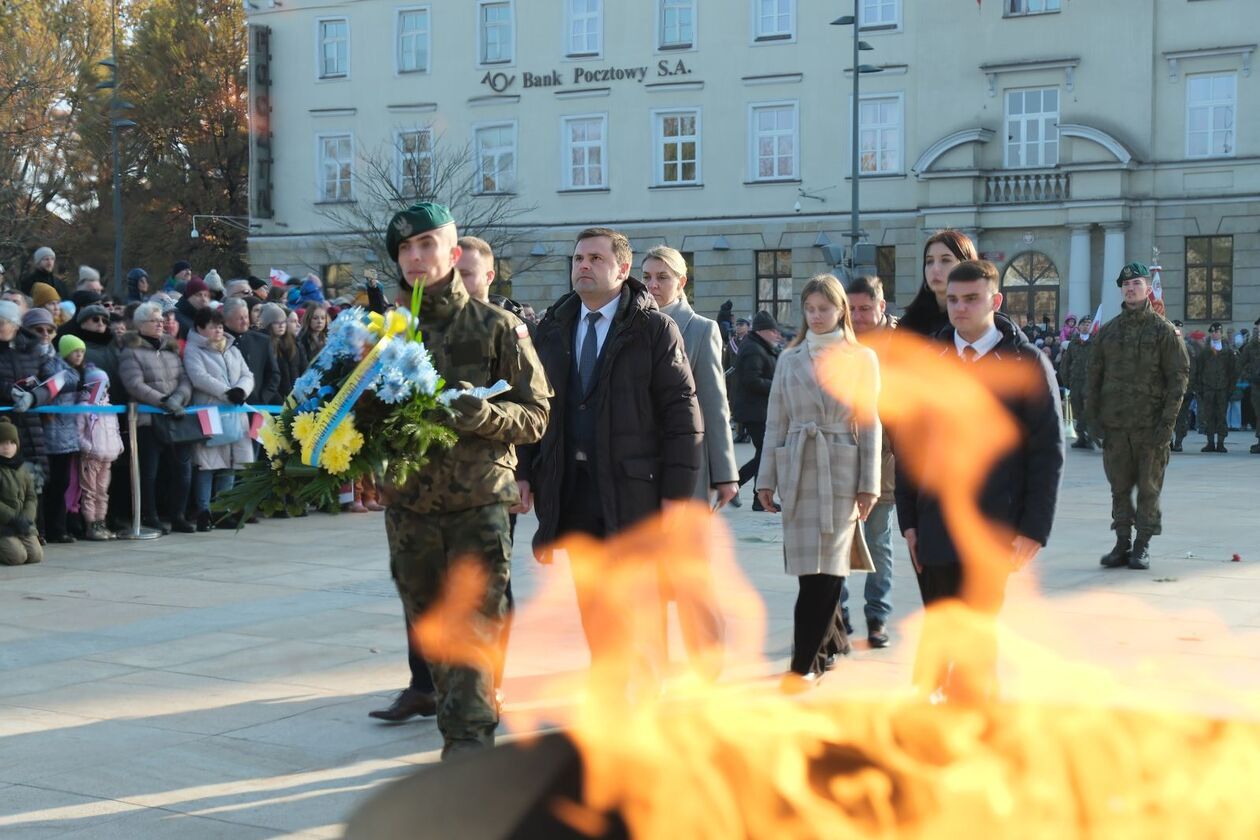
608,310
982,345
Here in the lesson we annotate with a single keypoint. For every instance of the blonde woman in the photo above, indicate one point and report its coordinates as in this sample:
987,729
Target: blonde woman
825,464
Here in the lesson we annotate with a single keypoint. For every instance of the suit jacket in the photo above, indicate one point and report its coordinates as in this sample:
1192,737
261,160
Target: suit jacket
703,341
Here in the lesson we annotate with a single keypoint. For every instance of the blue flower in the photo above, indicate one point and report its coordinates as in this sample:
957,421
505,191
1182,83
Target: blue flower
306,384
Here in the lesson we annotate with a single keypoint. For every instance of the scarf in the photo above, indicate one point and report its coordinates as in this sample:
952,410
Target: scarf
819,343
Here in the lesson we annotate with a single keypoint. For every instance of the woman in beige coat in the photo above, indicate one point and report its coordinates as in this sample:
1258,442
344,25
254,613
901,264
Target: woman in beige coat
825,465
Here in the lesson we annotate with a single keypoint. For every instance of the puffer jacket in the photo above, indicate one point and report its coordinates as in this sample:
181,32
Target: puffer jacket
212,374
99,435
151,371
61,431
21,359
18,496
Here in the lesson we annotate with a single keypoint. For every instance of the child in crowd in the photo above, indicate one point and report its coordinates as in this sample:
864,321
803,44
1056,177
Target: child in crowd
100,444
19,541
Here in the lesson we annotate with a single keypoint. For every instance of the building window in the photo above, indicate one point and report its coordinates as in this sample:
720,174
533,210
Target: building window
585,154
585,27
774,20
1032,128
496,34
880,14
338,278
415,162
886,269
678,24
1030,7
336,167
774,142
879,124
496,158
677,148
1210,108
1209,278
774,284
413,41
1030,289
334,48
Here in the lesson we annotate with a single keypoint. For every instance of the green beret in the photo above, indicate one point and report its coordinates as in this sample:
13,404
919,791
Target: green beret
416,219
1133,269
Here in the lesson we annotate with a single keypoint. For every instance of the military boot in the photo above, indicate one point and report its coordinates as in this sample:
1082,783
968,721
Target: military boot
1140,556
1176,445
1255,449
1220,444
1118,556
1211,445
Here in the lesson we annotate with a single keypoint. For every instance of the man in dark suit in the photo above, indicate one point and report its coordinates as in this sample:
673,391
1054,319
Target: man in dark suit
1019,493
625,430
754,371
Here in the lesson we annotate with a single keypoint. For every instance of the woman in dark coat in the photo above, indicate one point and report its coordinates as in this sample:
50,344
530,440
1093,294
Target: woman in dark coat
944,249
274,323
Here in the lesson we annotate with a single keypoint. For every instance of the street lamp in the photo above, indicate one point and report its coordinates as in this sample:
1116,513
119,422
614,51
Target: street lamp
238,222
859,46
117,122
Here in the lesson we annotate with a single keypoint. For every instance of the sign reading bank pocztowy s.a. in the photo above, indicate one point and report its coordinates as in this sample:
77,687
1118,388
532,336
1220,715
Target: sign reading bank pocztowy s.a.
578,76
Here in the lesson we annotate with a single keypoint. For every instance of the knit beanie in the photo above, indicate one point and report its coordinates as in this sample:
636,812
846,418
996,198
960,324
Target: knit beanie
180,265
135,274
37,318
194,286
213,281
68,344
272,313
8,432
9,312
43,294
86,272
90,310
256,283
45,251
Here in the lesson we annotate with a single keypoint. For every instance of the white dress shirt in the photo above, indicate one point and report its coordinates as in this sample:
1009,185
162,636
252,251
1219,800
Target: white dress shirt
608,310
981,345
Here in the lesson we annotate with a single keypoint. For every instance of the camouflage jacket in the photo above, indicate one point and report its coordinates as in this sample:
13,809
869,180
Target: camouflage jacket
1249,362
1074,366
1215,371
1138,373
477,343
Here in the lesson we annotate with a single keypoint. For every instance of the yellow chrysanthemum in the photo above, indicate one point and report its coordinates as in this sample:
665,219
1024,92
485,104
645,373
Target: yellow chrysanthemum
304,428
346,437
335,459
272,439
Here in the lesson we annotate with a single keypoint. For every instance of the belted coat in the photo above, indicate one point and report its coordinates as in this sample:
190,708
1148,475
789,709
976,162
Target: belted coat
819,458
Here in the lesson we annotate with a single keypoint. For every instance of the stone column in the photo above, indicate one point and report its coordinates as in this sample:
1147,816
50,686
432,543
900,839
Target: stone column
1114,259
1080,280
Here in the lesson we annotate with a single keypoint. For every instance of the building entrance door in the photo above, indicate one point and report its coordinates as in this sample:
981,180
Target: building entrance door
1030,288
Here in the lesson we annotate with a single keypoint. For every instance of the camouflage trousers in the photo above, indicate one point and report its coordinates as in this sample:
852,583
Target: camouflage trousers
422,549
1255,404
1212,408
1135,459
1183,417
1079,421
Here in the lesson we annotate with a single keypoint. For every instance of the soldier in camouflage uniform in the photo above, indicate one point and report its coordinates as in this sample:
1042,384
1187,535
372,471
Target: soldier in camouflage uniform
1074,373
1215,374
457,506
1137,375
1249,363
1182,426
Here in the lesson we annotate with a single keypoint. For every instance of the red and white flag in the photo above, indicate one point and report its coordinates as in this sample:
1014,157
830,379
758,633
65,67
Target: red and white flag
55,384
278,277
255,424
211,421
1097,323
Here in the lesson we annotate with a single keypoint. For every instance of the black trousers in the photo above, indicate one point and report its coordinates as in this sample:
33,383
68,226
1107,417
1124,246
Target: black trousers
55,494
748,472
816,603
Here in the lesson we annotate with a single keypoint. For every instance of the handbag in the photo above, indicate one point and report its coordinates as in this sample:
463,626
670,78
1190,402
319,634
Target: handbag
233,430
169,430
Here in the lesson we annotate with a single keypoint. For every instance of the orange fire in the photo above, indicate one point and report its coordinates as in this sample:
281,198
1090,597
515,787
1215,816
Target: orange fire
672,754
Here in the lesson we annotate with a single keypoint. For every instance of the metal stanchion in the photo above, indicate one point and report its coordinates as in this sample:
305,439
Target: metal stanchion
136,532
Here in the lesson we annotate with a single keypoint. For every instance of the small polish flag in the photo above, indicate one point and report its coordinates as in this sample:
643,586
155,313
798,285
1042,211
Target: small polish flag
55,384
278,277
255,424
211,421
1097,325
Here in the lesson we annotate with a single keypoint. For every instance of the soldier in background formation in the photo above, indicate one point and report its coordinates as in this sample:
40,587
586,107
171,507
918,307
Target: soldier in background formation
1074,373
1137,376
1215,373
1249,365
1182,426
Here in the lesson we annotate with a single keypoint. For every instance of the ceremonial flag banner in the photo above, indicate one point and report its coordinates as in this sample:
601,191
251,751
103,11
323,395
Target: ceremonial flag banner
211,421
278,277
1097,325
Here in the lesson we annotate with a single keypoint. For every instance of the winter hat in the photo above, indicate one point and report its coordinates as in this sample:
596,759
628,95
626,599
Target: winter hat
43,294
213,281
8,432
272,313
90,310
135,274
1133,269
195,286
311,292
1216,327
180,265
256,283
9,312
84,298
37,318
67,310
415,220
763,320
96,383
86,272
68,344
45,251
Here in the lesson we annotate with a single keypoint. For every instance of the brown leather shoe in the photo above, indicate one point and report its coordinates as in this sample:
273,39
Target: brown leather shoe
409,703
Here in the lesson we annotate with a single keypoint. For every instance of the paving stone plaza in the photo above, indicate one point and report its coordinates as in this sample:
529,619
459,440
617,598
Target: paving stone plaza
218,685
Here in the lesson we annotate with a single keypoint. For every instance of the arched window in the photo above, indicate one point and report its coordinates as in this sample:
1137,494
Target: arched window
1030,287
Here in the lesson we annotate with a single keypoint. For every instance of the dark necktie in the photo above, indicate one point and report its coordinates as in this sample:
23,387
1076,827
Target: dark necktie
969,354
590,351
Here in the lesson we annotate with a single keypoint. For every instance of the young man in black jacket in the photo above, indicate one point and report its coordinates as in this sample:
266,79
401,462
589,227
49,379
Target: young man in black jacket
1019,493
754,371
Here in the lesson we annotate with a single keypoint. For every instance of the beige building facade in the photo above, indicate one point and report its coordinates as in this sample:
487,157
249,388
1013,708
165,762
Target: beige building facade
1066,137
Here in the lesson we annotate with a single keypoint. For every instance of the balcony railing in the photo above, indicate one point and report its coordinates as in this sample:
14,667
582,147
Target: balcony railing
1024,187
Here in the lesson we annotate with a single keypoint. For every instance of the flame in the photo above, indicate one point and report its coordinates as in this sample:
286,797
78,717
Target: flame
671,751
